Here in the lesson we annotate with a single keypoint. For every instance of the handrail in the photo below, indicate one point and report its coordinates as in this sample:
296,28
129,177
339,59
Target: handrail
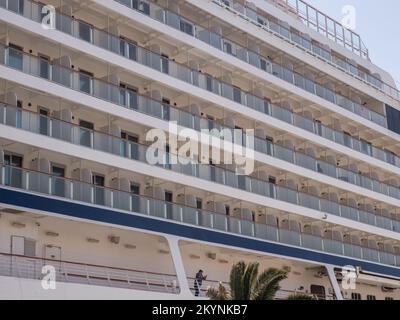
115,97
73,272
164,19
363,51
86,264
298,40
274,151
326,93
226,177
192,216
280,293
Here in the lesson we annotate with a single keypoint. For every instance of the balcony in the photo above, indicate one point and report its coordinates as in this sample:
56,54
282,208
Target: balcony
174,20
32,65
81,273
249,13
280,295
101,141
286,233
131,51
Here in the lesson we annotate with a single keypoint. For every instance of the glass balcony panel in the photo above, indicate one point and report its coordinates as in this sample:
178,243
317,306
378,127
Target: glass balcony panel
227,91
352,251
365,182
190,216
333,246
305,161
288,75
383,222
247,228
232,180
327,168
172,20
85,137
206,219
215,40
62,130
349,213
299,81
370,254
277,70
82,192
330,207
121,200
220,222
284,153
309,201
282,114
13,177
234,225
310,86
15,59
387,258
252,58
303,123
290,237
266,232
62,76
157,209
311,242
367,217
263,146
286,195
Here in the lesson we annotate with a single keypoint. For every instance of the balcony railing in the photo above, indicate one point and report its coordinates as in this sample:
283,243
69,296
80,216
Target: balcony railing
249,14
43,183
24,119
331,29
82,273
280,295
174,20
133,52
105,142
100,89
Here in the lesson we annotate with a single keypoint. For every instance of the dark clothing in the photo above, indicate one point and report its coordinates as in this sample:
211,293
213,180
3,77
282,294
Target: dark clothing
198,282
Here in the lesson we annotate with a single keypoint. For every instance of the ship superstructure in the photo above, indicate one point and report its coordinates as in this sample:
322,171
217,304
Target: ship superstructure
83,84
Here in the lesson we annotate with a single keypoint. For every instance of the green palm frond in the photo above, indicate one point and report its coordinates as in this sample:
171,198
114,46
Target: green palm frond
218,294
249,280
246,284
268,284
236,280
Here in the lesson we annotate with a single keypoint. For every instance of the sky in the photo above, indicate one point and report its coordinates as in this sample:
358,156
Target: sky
378,24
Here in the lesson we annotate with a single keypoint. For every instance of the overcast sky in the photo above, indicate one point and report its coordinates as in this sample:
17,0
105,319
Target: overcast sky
378,23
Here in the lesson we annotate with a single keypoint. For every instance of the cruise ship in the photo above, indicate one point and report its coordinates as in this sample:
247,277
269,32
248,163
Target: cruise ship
84,214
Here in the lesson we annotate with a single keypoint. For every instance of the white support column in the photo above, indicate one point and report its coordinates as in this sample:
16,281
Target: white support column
173,243
334,282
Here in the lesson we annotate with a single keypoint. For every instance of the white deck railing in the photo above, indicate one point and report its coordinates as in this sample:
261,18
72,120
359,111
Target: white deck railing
81,273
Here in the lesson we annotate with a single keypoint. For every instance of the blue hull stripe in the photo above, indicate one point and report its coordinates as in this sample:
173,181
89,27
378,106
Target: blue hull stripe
109,216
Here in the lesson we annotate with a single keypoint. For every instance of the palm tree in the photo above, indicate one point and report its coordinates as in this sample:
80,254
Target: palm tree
246,284
218,294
